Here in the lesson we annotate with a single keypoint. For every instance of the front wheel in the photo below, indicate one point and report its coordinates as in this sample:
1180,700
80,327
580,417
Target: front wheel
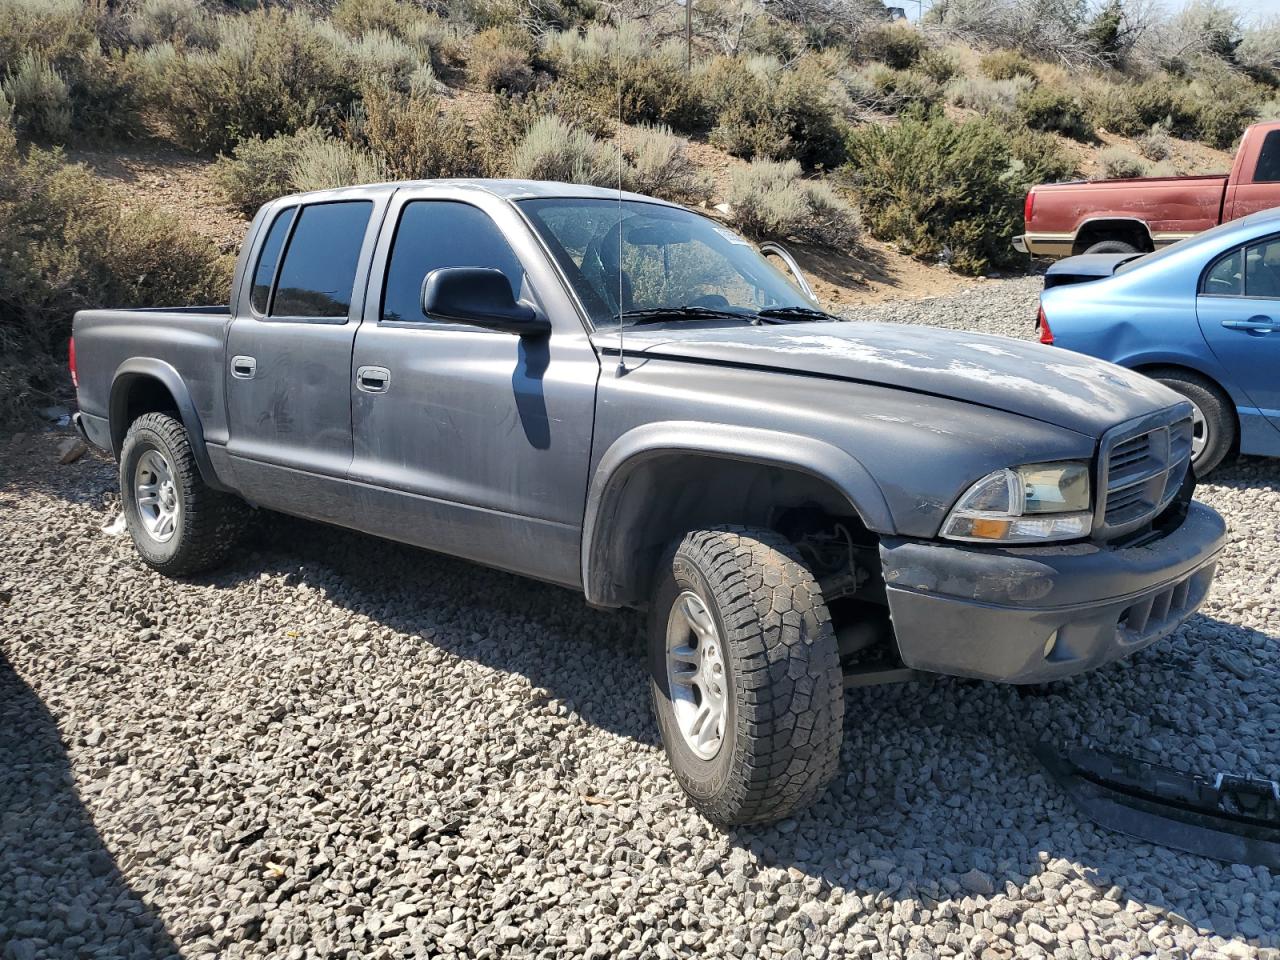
1213,421
745,675
178,523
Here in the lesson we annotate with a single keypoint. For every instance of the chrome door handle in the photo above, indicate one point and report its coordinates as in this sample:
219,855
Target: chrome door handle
373,379
243,368
1259,325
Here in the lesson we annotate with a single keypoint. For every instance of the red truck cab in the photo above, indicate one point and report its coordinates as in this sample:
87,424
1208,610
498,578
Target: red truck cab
1144,213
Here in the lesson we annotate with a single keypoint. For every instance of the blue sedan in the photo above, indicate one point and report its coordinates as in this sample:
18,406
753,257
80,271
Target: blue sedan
1201,316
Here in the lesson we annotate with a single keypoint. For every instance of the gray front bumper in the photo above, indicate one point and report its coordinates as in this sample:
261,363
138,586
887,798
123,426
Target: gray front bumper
991,613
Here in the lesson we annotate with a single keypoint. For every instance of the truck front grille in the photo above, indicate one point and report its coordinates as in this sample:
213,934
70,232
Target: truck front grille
1141,467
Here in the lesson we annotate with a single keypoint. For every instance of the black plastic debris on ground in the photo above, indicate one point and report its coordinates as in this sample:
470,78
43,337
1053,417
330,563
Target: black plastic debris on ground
1231,818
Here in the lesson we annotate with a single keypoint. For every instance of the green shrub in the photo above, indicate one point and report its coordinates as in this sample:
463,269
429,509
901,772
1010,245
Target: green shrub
768,111
1054,111
895,91
1223,103
988,96
898,46
1155,144
1117,163
938,65
498,62
326,163
39,99
184,23
67,245
1038,158
259,170
412,137
553,150
658,164
946,190
772,201
381,58
1006,65
57,31
655,87
272,72
1129,110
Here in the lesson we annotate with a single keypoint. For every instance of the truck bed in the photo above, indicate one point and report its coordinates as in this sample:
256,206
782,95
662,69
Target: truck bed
194,345
1173,207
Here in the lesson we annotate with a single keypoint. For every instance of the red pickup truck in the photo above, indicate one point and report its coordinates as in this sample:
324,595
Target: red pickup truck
1145,213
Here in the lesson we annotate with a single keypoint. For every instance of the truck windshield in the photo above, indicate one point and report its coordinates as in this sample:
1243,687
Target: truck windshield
650,263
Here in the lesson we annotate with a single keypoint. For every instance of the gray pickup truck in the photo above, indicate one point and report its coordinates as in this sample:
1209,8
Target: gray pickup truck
625,398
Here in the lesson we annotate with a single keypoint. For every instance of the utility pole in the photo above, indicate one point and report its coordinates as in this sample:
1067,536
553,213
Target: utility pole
688,36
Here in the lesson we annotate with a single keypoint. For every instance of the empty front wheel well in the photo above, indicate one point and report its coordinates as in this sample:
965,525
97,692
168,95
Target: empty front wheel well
668,495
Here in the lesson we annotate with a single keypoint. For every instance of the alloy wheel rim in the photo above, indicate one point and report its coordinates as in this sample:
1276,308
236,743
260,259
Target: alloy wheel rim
697,675
156,496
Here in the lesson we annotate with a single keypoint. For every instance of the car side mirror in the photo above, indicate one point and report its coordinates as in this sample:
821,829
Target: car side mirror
479,297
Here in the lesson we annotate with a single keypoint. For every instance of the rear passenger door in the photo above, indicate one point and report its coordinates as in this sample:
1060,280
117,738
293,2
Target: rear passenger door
471,441
289,354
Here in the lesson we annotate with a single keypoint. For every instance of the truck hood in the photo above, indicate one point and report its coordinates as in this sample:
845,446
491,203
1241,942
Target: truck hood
1044,383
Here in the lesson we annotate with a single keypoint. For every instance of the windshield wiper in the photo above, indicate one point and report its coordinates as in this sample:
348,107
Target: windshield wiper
792,314
663,314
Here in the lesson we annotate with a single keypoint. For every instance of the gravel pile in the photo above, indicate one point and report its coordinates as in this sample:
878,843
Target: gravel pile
339,747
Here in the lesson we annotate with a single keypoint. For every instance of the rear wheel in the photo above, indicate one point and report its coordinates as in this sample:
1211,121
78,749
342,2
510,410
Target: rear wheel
1213,419
179,524
1112,246
745,675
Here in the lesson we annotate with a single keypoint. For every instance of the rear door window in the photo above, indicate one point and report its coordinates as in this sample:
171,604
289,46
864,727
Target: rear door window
1262,269
319,269
269,258
1225,278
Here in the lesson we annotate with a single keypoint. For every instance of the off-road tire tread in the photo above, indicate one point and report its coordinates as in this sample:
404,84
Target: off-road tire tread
790,696
212,521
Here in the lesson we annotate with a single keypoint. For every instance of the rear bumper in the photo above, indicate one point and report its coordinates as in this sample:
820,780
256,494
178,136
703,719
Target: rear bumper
1020,243
94,430
1045,244
1034,614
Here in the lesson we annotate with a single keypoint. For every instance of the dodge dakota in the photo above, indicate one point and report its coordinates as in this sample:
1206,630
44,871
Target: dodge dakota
623,397
1142,214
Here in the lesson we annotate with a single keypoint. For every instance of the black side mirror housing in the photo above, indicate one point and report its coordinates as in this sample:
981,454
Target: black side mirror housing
479,297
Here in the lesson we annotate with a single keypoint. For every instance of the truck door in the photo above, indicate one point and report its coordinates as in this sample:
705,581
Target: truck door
1255,178
1239,313
289,355
470,441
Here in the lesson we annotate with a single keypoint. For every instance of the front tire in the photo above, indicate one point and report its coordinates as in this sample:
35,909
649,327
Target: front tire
179,524
1214,421
745,675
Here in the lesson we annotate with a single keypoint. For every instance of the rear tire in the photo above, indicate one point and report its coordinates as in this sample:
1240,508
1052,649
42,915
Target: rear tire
179,524
1215,419
765,663
1112,246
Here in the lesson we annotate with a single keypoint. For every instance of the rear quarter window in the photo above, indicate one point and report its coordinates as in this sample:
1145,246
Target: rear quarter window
268,258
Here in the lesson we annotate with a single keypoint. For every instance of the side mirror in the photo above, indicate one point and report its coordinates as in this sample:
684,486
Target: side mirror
479,297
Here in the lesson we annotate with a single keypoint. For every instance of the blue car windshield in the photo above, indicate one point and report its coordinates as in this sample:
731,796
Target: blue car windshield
651,263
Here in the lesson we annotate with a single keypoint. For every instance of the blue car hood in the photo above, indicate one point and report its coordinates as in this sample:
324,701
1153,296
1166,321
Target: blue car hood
1028,379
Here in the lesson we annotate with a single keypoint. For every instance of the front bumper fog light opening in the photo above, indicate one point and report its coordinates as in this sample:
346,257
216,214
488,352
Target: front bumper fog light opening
1050,645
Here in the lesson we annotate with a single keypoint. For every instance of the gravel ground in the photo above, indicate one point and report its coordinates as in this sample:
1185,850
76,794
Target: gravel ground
342,747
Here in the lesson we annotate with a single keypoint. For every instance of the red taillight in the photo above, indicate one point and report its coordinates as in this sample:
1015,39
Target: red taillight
1042,324
71,362
1029,206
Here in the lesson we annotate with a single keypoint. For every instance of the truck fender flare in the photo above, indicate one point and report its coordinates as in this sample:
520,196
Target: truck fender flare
144,368
748,444
1113,219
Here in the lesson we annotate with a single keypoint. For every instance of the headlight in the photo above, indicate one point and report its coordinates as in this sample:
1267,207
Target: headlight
1038,502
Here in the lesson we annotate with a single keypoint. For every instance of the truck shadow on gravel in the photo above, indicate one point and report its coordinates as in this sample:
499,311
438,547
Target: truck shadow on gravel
938,796
61,893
